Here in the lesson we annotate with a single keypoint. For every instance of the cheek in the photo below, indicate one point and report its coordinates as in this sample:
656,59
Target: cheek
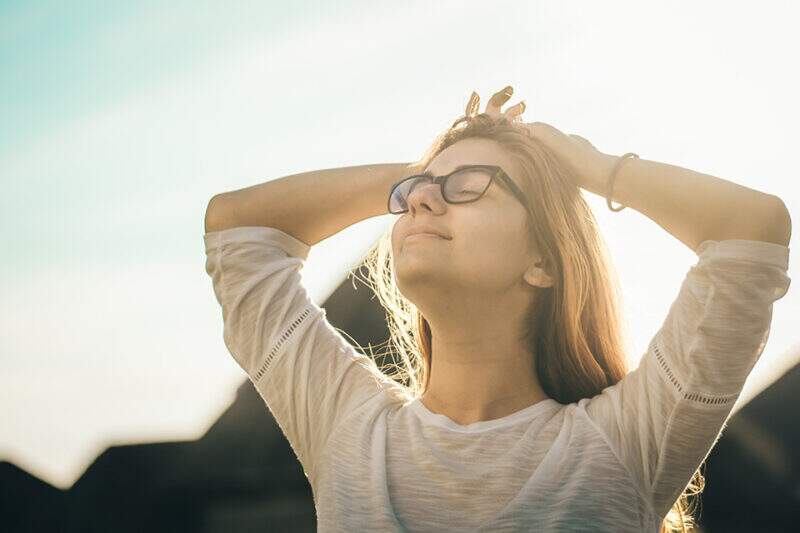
496,247
397,241
393,236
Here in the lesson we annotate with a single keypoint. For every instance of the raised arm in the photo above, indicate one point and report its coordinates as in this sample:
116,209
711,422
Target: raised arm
256,241
310,206
663,418
696,207
691,206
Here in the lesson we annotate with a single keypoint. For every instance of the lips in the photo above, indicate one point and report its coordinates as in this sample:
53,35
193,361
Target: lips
426,230
423,236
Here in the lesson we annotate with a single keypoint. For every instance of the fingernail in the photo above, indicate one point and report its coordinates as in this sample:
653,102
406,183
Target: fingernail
522,103
508,90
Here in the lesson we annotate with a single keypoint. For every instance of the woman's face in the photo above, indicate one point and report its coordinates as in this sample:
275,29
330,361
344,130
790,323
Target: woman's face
488,249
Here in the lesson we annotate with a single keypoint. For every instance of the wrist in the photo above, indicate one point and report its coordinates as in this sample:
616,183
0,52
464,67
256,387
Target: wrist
595,177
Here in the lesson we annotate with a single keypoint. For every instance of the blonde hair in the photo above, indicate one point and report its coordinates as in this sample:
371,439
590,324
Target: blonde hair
575,326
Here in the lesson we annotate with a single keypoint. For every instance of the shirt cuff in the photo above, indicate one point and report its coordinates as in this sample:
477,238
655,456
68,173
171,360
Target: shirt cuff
293,246
757,251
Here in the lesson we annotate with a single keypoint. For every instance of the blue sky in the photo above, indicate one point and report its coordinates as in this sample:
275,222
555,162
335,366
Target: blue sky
121,120
64,58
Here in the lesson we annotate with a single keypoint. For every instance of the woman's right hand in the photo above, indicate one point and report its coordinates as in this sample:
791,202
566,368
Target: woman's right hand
497,100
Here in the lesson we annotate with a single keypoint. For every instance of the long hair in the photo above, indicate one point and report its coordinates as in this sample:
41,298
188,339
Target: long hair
575,328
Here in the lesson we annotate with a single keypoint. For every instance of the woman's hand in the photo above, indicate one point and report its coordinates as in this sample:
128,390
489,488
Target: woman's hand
513,113
589,167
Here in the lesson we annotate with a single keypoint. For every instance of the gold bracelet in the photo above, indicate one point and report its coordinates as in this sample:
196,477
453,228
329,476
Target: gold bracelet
610,186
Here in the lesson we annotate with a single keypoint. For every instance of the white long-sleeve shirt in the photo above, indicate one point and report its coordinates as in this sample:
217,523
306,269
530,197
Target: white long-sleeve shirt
379,460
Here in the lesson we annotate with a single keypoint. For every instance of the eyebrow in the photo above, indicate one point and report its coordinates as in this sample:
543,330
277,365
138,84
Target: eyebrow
459,167
501,182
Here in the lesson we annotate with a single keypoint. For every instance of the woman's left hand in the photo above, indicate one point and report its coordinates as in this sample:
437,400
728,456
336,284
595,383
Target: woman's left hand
589,167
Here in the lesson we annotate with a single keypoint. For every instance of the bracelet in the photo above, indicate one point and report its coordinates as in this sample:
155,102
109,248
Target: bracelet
610,186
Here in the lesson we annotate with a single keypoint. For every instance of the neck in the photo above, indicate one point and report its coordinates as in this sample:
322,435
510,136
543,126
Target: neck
487,377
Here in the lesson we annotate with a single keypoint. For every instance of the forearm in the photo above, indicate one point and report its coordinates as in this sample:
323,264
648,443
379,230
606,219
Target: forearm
310,206
695,207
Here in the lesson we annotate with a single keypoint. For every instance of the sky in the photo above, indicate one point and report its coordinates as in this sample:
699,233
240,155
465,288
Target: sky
121,120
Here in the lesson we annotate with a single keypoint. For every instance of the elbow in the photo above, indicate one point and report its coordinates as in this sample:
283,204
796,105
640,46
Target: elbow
213,219
768,221
779,230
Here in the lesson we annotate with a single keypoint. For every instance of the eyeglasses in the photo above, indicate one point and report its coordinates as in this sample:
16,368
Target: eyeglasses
467,183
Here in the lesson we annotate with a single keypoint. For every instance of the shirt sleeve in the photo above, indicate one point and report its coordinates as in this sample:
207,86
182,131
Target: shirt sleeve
307,373
663,418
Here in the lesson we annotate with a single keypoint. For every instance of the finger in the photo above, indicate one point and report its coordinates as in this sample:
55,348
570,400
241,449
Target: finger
548,130
473,105
542,130
498,99
514,112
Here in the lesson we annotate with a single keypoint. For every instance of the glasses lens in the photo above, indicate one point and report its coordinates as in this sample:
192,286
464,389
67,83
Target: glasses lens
463,186
397,202
467,185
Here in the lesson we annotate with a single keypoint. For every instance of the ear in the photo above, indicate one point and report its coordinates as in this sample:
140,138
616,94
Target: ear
538,274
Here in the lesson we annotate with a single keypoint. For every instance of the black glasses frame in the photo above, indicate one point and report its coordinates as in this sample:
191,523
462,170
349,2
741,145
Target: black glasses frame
495,172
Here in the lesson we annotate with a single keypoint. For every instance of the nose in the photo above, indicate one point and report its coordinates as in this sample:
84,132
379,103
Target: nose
426,196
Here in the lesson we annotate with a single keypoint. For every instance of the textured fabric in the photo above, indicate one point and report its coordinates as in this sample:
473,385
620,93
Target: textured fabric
379,460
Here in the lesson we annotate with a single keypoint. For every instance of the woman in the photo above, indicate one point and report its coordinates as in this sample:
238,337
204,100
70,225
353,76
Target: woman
514,409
